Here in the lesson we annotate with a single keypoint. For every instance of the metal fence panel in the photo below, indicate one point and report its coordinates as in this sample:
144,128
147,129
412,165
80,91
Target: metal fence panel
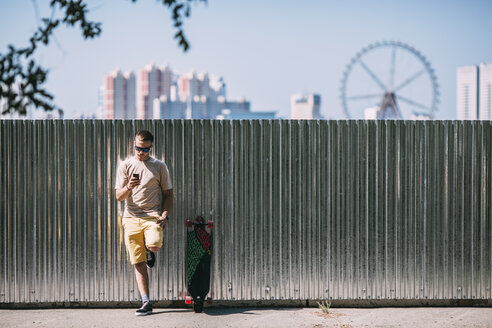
303,209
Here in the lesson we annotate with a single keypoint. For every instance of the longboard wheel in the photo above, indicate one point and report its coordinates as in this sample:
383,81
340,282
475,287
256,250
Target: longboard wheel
189,223
210,224
188,299
198,306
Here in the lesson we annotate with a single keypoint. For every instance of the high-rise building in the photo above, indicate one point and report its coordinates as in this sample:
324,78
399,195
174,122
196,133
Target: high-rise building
165,108
217,87
371,113
200,107
153,82
467,93
485,92
227,114
187,86
118,95
236,108
203,85
192,84
305,107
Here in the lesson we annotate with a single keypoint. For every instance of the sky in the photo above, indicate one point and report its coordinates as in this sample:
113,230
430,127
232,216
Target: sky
265,50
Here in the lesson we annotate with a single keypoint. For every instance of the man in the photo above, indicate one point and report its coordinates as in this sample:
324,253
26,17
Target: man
144,182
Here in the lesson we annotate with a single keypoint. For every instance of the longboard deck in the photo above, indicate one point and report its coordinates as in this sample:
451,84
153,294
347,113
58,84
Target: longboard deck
198,257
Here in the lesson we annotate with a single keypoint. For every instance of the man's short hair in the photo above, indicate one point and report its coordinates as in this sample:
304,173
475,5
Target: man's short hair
145,135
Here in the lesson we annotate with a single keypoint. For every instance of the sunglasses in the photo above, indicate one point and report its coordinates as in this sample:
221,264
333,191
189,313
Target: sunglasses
145,150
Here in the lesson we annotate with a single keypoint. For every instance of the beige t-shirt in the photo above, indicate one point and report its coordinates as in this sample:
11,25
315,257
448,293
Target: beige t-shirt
145,199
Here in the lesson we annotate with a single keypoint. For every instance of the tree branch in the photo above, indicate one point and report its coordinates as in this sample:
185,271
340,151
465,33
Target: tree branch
22,79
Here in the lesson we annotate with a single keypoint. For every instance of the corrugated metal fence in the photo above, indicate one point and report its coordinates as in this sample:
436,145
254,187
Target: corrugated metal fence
303,209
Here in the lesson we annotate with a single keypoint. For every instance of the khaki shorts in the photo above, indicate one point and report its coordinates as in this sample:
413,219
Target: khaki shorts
141,232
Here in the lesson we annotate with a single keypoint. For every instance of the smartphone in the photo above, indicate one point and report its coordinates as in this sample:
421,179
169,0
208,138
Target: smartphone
136,176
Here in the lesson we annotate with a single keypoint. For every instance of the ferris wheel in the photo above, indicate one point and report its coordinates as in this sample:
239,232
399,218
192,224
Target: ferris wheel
389,80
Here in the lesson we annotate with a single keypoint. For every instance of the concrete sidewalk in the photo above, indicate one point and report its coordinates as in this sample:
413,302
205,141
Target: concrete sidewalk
251,317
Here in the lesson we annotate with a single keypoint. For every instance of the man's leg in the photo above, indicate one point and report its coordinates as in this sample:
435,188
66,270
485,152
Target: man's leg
153,240
153,249
142,278
134,240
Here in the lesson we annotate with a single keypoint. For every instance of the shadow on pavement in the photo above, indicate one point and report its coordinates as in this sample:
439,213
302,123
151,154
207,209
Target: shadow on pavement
231,311
172,311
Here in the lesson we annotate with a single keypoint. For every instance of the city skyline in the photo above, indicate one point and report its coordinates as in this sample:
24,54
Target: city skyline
266,52
160,93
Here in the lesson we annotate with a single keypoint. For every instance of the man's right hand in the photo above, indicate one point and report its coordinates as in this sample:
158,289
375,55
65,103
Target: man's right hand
133,183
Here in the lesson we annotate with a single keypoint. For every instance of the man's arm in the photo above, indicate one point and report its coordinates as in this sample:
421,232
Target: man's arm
125,192
168,202
168,206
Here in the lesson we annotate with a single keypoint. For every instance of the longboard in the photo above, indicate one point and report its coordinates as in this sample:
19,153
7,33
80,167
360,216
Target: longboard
198,256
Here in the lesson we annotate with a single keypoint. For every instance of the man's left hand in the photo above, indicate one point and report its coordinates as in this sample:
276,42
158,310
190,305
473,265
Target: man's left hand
162,222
